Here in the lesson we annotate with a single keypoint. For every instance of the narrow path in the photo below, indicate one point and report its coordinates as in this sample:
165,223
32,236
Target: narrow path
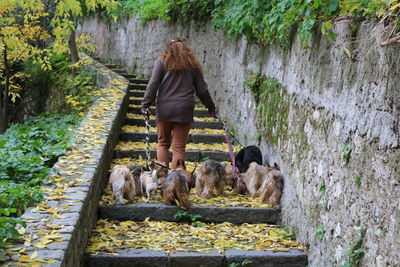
229,230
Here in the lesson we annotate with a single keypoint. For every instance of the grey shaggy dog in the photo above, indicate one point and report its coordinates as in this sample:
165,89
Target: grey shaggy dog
211,175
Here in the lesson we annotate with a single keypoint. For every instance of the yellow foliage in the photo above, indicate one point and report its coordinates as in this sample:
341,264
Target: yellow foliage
169,236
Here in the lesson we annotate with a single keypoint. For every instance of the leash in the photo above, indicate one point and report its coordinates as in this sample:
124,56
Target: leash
228,142
226,129
147,122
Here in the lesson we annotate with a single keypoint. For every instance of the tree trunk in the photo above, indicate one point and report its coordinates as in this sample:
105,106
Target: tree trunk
73,48
4,94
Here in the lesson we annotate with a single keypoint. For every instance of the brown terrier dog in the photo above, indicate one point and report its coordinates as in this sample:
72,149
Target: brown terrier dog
271,188
123,184
254,177
240,186
230,178
211,175
190,176
175,188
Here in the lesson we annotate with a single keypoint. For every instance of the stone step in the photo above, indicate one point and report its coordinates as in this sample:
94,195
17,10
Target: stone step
164,212
138,81
197,112
128,76
136,93
190,155
110,66
231,257
196,124
120,71
134,86
193,138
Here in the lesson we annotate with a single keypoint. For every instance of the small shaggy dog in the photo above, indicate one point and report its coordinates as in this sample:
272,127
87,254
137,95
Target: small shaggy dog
230,178
211,175
240,186
123,184
271,188
254,177
175,188
190,176
149,182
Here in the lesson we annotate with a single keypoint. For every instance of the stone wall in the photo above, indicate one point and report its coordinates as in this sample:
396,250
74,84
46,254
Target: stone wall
333,101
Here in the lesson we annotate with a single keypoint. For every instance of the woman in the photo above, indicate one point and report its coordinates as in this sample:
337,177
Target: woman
176,76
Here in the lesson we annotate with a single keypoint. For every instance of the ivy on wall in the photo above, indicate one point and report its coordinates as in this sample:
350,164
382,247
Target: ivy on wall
272,106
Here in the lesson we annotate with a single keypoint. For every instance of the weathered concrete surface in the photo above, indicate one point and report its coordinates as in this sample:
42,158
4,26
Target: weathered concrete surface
332,101
129,257
164,212
293,258
143,257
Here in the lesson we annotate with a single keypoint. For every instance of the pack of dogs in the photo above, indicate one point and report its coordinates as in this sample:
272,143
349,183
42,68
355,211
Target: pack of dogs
262,181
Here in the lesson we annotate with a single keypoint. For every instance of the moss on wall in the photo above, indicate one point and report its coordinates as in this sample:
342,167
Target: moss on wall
272,106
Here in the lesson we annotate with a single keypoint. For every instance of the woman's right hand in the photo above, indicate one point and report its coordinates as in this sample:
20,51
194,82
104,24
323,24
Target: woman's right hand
145,111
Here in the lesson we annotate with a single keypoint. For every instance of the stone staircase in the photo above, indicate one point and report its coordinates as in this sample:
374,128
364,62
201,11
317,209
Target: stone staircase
103,249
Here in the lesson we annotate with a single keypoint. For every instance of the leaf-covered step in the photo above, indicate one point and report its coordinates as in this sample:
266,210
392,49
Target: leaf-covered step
198,112
198,124
190,146
190,155
128,76
110,66
229,199
193,138
152,117
265,244
141,129
140,161
134,86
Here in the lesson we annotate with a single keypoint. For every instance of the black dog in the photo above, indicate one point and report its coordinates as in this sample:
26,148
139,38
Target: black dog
246,156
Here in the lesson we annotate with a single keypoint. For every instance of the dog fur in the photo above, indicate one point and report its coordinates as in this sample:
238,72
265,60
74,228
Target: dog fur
230,178
254,177
175,188
211,175
190,176
123,185
148,180
161,168
240,186
271,188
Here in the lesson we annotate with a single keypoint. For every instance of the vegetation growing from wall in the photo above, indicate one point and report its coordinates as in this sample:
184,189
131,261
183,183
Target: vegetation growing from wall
272,106
263,21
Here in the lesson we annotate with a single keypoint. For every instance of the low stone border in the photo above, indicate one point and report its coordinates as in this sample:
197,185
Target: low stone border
163,212
58,228
143,257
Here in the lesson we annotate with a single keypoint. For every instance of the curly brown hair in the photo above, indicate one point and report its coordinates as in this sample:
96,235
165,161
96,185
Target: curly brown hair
178,57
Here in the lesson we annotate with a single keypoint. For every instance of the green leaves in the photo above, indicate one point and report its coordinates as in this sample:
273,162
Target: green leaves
320,233
7,228
346,153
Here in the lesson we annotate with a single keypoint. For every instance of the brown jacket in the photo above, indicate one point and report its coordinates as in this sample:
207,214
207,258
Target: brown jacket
174,93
